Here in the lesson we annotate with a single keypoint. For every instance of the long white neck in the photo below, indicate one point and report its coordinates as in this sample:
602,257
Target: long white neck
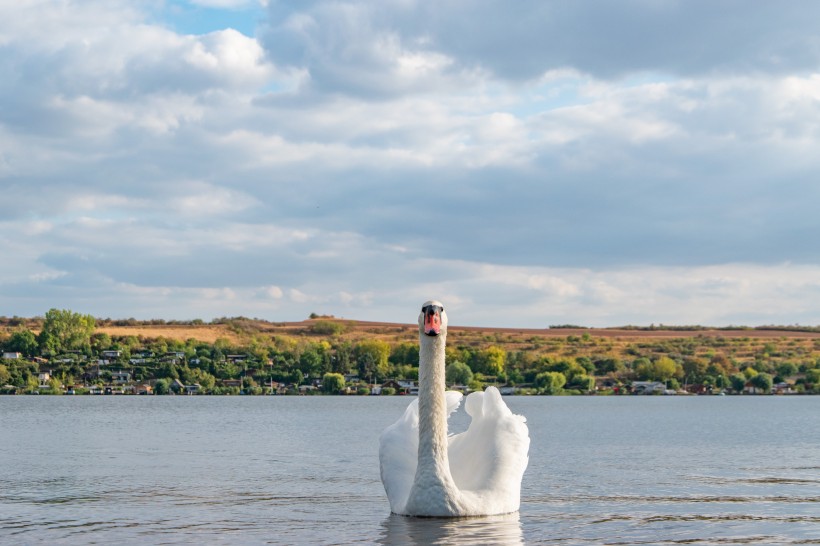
432,403
434,492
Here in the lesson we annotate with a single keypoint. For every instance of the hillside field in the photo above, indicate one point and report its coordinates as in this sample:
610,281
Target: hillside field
627,343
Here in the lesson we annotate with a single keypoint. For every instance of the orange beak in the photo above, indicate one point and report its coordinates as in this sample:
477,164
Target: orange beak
432,321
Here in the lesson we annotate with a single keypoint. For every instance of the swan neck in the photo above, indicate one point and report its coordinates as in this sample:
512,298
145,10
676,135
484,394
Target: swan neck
432,403
434,493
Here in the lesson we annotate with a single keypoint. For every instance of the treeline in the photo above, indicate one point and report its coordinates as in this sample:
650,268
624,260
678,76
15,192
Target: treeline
36,322
71,348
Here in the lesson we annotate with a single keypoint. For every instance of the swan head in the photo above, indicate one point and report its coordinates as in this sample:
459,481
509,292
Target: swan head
433,319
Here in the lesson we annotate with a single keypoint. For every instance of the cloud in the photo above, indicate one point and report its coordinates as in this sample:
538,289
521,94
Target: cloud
274,292
356,46
628,162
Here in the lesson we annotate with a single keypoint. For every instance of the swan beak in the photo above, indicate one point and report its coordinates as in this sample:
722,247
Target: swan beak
432,321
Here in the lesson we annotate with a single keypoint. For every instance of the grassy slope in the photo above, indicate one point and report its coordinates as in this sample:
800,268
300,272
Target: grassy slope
741,344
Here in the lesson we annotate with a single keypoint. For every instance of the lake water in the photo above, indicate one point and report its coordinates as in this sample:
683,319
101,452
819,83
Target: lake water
289,470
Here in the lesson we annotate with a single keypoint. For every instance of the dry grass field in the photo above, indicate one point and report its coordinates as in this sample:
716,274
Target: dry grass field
385,330
745,344
740,344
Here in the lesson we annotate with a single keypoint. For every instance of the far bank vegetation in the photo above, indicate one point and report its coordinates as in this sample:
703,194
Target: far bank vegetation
66,351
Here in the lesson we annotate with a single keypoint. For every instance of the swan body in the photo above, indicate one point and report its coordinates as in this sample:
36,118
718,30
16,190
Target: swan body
425,472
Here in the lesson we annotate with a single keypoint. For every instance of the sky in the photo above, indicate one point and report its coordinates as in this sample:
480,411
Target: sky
563,162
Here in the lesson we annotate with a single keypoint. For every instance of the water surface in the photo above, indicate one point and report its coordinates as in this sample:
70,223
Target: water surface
284,470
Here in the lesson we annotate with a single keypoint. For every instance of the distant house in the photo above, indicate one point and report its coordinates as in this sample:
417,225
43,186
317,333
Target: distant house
401,386
697,388
177,386
648,387
782,388
284,389
120,378
606,383
193,389
274,386
144,389
43,378
232,383
141,356
12,355
410,386
109,355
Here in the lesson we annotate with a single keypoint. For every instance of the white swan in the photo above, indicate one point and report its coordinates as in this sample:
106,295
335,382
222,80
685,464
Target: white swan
425,472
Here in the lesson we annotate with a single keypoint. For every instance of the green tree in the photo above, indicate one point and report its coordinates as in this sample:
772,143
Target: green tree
296,377
249,386
567,366
722,382
100,341
55,386
694,368
661,369
586,363
168,369
581,382
372,357
64,330
405,353
196,375
333,383
491,360
340,363
161,386
32,385
327,328
309,361
550,382
786,369
5,376
607,365
762,381
458,373
23,341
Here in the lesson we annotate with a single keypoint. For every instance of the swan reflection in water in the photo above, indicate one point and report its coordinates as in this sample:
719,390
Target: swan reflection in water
501,530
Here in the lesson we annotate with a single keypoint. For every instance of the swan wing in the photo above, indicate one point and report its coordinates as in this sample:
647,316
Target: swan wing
398,457
398,452
453,400
488,460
